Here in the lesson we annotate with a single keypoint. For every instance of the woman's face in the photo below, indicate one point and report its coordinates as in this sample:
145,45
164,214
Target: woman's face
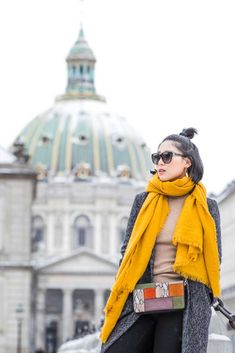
178,166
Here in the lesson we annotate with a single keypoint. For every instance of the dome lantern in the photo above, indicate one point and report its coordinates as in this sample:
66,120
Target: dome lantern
81,71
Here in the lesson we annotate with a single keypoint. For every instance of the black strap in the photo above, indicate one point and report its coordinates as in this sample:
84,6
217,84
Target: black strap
218,305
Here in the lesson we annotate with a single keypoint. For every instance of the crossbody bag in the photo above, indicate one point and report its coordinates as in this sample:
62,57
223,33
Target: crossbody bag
159,297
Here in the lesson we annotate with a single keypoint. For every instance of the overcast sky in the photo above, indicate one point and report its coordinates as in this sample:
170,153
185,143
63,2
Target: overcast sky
164,65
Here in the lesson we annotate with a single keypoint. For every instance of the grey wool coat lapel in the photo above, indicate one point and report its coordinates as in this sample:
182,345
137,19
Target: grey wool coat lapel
197,313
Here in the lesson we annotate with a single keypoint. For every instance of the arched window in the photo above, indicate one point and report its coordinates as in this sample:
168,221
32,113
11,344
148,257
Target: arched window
82,232
38,233
122,230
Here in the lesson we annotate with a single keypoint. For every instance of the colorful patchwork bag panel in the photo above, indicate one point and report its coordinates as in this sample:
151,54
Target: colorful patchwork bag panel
154,297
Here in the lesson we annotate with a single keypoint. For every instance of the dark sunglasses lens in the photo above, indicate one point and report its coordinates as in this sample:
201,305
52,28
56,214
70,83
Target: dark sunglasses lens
155,158
167,157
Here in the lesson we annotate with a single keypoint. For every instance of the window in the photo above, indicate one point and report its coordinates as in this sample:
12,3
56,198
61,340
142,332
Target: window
83,302
54,301
122,229
106,295
82,232
38,233
82,237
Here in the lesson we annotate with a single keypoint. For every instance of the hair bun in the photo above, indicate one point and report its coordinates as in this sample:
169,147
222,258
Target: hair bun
189,133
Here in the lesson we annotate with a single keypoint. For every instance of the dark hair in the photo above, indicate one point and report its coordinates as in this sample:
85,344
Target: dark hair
183,142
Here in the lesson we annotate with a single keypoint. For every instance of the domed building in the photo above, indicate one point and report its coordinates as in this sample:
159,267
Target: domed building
80,137
90,164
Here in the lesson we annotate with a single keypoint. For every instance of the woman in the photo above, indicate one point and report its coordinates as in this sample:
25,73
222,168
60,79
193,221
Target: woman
173,233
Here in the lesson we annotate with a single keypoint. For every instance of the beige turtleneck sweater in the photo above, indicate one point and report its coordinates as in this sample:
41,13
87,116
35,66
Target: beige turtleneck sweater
164,249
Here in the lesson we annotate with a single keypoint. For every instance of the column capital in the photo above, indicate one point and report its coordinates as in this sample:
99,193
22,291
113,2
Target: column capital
67,290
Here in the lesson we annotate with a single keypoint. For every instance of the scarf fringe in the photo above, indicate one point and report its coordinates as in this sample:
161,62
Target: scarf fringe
114,305
192,277
116,296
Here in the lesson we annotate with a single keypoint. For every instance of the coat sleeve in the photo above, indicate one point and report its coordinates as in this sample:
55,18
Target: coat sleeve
138,202
214,210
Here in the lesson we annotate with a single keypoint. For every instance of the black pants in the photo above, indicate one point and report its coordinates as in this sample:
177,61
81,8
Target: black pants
156,333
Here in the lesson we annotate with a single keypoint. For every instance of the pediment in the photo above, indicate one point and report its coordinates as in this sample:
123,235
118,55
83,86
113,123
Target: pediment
81,262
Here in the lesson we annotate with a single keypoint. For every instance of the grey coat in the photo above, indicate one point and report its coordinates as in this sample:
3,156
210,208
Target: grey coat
197,313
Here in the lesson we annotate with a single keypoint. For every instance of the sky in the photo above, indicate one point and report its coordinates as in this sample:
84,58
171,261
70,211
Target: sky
164,65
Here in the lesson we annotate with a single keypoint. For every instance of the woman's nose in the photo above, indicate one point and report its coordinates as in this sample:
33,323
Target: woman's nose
160,162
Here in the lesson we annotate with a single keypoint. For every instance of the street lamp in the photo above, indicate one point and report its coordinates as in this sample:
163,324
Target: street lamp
19,313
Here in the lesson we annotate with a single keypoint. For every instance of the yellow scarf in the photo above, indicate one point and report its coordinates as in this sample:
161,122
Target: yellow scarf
195,237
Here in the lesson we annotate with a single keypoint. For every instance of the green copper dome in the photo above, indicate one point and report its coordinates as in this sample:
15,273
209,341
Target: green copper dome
80,136
84,138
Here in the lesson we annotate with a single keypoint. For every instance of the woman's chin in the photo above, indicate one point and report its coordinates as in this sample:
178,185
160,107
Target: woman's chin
163,177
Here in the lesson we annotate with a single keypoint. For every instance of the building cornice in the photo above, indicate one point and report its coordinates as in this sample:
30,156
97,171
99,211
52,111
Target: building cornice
16,265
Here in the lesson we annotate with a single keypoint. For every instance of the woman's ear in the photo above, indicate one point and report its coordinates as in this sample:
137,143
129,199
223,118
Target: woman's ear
188,162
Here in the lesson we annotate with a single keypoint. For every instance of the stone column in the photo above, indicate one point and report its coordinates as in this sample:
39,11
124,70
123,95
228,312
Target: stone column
97,233
113,235
67,317
40,319
2,231
99,305
67,239
50,232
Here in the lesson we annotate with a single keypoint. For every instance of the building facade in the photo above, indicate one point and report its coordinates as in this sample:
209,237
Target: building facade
17,192
226,201
89,163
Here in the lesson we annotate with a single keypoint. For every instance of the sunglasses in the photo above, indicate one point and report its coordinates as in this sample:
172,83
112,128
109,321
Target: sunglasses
165,156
